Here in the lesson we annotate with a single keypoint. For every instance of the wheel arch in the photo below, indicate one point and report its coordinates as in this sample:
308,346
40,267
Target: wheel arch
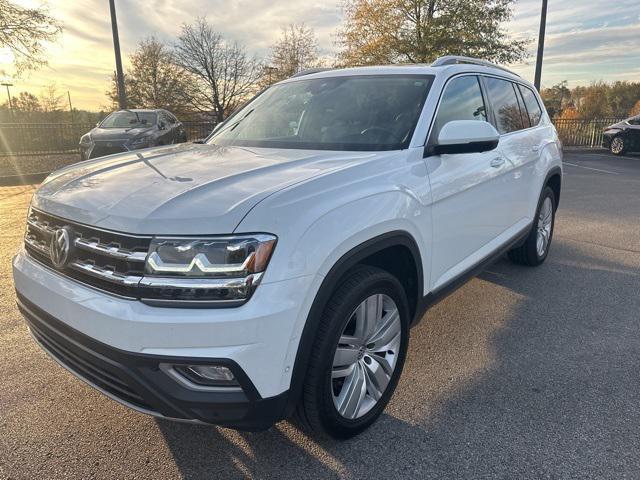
554,181
376,251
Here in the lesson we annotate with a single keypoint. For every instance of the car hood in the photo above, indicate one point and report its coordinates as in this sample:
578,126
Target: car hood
180,189
106,134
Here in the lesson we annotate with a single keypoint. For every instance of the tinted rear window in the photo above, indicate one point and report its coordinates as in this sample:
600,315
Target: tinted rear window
504,103
531,103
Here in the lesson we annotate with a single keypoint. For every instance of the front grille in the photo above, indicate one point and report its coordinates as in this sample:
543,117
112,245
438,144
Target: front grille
106,260
107,148
86,365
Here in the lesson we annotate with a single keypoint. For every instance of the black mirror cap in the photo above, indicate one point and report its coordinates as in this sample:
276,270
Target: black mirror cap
472,147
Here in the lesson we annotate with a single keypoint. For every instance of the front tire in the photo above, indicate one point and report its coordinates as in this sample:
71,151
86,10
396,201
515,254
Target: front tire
358,354
535,248
617,146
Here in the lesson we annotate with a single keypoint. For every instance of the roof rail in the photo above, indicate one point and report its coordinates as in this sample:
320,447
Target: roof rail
309,72
457,59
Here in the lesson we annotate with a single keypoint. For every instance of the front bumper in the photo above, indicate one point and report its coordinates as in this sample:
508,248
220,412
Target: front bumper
137,381
117,345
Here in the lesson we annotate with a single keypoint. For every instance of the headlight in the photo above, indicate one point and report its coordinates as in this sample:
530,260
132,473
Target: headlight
207,271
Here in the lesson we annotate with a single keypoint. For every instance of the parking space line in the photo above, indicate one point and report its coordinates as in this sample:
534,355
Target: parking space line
607,156
590,168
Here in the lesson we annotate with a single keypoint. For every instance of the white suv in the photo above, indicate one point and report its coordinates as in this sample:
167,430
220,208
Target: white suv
277,267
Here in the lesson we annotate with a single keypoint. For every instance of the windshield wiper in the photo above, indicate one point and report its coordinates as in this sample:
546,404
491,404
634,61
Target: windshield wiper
238,122
137,119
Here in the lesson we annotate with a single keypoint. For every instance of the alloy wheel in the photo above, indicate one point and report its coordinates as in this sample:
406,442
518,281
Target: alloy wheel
545,221
617,145
366,356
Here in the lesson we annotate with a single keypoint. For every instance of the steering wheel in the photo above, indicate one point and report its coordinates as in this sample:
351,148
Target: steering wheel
387,131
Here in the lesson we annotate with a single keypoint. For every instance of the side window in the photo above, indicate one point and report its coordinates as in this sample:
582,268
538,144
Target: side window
164,118
531,102
461,100
504,104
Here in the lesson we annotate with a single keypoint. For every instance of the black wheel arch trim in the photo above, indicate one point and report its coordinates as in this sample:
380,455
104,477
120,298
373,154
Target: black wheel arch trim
338,270
551,173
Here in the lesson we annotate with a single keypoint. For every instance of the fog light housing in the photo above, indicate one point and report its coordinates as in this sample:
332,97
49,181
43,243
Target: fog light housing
208,375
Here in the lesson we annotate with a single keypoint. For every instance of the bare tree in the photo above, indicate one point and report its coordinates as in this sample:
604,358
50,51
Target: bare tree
222,75
296,50
50,100
153,80
24,31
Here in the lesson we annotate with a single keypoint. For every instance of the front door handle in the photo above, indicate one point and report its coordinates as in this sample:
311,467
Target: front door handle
497,162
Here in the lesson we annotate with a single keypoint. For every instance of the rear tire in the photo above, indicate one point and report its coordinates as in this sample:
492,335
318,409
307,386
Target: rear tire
349,381
535,248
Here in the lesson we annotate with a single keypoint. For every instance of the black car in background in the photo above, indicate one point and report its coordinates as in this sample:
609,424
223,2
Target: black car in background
126,130
623,137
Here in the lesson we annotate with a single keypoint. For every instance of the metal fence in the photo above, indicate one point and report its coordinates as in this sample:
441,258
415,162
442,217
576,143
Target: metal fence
55,138
580,132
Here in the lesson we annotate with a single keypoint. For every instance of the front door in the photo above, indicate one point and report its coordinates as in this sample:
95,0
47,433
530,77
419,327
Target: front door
469,210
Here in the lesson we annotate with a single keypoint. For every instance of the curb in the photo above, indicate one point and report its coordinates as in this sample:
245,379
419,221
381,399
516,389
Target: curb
26,179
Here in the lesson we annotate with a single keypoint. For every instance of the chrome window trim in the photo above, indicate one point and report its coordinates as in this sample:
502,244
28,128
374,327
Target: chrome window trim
540,124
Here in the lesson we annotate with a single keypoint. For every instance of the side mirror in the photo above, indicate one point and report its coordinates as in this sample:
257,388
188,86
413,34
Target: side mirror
162,126
466,136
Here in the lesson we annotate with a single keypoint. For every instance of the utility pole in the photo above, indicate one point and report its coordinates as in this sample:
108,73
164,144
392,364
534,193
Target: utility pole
70,106
543,26
122,96
9,96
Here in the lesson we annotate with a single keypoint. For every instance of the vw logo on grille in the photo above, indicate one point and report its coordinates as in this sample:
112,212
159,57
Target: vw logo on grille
60,247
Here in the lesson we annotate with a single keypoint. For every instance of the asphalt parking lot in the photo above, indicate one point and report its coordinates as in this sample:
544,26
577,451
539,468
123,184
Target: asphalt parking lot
522,373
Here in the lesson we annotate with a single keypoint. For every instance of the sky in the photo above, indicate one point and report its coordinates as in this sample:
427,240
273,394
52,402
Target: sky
587,40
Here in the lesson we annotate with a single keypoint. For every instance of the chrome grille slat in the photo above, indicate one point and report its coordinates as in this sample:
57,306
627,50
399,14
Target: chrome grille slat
37,245
107,275
102,259
40,226
113,252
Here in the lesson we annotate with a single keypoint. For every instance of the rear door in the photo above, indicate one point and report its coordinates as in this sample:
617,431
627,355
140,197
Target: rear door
166,129
468,190
519,146
633,132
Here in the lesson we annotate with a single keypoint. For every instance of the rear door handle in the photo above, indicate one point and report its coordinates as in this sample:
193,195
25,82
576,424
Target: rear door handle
497,162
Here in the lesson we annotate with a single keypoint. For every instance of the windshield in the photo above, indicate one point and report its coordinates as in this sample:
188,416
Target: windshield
373,112
129,120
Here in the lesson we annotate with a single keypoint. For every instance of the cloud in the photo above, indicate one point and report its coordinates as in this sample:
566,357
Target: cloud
586,40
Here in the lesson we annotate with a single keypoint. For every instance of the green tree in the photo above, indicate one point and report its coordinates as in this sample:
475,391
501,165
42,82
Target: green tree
153,80
556,98
27,102
418,31
595,102
623,96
